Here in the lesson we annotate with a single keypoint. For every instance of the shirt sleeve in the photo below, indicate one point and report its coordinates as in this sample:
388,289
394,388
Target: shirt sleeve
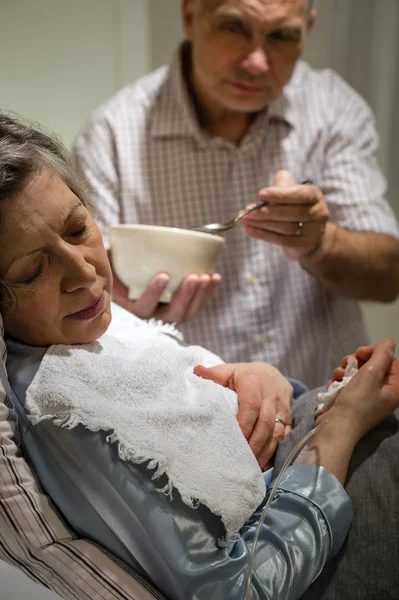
351,179
94,155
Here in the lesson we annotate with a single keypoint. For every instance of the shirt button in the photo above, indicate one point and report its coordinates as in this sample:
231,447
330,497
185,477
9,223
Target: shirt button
260,339
252,278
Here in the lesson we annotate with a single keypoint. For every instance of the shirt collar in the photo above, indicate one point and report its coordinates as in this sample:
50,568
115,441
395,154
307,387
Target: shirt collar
285,107
174,114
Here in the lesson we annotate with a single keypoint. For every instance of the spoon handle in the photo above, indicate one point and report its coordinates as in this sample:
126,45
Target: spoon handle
246,211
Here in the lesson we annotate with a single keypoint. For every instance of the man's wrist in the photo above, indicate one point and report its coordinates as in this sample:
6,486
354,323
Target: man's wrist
324,246
320,259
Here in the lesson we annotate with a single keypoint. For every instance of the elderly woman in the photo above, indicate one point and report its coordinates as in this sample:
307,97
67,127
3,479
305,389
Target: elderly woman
119,415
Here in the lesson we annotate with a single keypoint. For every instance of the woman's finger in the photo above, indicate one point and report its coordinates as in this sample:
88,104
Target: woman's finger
270,447
220,374
364,352
338,374
247,388
287,430
380,361
274,417
264,427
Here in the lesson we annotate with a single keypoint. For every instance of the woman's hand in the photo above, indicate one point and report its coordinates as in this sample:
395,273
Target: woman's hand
373,393
264,394
371,396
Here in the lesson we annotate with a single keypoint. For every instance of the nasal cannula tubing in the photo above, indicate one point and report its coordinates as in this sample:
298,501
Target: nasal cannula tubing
292,456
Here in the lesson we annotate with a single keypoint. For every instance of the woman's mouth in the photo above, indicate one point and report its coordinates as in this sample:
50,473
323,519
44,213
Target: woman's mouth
91,311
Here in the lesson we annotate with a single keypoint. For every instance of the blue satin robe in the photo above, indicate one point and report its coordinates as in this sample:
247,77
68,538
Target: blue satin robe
116,504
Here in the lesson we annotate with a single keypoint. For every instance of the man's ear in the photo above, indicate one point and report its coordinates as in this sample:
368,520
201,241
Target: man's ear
311,19
187,13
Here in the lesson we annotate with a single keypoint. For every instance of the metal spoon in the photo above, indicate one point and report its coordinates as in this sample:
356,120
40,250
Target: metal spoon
220,227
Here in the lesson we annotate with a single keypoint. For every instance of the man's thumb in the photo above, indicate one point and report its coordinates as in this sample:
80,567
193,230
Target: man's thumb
283,178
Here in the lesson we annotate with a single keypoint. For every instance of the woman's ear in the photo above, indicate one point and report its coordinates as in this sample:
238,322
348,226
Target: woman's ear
187,12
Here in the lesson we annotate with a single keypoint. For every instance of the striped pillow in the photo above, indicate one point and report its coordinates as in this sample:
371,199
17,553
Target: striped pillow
34,538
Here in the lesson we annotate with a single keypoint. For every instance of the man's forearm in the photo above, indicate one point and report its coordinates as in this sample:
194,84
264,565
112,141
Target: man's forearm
359,265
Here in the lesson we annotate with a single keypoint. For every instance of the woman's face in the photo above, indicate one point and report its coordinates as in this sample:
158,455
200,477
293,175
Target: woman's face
53,251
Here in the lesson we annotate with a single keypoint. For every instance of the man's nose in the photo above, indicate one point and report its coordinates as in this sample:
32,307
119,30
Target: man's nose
256,62
79,273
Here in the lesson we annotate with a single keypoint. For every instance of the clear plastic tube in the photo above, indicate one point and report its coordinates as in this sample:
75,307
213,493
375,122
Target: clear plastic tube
292,456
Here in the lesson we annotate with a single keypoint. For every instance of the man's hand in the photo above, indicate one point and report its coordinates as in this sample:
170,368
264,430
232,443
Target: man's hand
186,303
263,395
295,219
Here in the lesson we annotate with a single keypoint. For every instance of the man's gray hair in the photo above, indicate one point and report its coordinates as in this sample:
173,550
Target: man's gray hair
26,149
309,4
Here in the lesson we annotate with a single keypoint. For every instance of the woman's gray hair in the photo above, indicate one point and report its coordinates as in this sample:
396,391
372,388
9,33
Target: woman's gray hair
25,150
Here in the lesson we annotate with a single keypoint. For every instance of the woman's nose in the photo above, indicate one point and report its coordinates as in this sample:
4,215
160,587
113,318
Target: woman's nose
79,273
256,62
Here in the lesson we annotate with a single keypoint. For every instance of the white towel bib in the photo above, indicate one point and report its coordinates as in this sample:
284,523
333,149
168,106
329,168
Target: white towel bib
137,382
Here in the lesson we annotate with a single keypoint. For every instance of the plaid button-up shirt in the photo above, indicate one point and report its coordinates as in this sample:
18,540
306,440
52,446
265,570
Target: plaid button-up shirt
147,161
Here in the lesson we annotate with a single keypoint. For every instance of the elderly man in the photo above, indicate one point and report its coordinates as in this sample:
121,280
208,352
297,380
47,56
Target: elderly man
237,117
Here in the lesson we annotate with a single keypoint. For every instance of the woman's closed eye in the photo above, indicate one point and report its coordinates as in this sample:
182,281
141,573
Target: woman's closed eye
75,234
36,275
80,232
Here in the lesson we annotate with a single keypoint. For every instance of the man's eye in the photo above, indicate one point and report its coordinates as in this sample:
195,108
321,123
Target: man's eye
232,28
80,232
284,37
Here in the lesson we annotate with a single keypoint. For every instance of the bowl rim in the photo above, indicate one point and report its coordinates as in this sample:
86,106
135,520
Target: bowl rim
178,230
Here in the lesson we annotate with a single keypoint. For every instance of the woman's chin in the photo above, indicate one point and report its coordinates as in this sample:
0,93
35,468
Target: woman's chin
90,332
99,327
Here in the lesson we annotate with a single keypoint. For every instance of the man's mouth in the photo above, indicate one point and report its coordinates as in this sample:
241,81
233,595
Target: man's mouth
247,87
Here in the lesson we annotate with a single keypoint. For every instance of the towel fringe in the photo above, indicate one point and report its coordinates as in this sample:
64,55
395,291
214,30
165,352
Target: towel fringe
169,328
125,453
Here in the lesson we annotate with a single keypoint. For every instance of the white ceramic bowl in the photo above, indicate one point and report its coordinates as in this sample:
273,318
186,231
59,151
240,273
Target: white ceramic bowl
141,251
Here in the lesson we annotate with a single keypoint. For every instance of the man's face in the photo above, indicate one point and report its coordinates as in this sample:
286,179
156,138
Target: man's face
244,51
